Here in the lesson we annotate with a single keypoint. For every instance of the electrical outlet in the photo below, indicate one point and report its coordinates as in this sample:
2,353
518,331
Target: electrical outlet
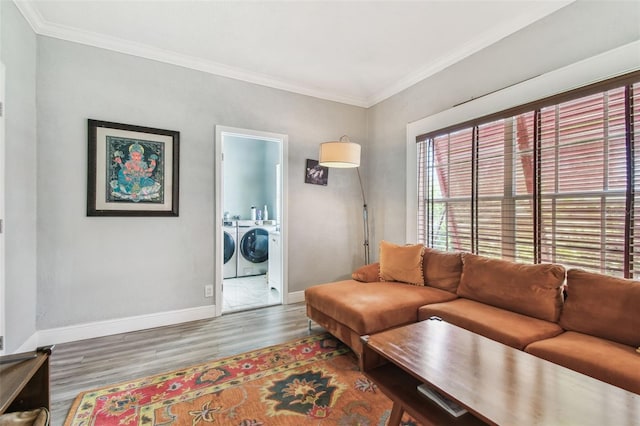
208,290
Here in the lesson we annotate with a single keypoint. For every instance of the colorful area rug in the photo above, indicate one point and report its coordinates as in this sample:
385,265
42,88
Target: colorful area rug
310,381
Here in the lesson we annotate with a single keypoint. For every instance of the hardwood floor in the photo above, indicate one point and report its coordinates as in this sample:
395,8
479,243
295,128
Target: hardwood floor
83,365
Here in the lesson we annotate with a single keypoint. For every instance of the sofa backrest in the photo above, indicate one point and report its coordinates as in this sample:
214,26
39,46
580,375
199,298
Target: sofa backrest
602,306
532,290
442,269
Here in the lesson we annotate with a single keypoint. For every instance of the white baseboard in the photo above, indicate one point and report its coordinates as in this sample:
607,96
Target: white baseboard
91,330
29,345
121,325
295,297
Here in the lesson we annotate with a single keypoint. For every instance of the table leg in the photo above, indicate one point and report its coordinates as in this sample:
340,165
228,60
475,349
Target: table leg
396,414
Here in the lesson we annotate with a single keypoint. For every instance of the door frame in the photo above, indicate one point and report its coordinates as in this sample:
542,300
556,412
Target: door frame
2,213
283,140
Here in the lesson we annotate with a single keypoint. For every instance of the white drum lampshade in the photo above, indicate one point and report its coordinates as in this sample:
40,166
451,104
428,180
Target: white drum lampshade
343,153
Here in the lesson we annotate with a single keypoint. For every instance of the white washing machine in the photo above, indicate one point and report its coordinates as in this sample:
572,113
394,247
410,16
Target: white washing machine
253,246
230,251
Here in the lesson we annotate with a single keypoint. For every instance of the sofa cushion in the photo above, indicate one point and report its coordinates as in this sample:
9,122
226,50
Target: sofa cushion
533,290
611,362
372,307
504,326
368,273
441,269
602,306
401,263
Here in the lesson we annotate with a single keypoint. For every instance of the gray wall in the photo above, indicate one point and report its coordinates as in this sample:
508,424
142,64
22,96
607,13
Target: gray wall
249,175
272,158
576,32
91,269
98,268
19,57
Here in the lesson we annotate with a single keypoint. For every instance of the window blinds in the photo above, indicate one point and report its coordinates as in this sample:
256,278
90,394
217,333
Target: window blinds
553,184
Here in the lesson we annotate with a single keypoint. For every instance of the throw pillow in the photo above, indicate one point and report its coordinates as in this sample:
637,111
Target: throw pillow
368,273
401,263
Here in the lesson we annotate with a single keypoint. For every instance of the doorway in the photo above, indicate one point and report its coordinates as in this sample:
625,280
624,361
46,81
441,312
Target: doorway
250,218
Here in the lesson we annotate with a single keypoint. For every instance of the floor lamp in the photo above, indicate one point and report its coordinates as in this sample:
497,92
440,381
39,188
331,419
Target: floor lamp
346,154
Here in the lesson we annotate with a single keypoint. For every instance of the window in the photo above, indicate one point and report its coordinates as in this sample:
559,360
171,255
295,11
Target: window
552,182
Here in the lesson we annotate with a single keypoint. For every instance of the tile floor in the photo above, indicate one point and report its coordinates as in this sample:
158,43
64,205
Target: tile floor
241,294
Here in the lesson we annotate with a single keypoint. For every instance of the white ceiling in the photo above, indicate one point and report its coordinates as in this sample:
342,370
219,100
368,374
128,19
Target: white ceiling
356,52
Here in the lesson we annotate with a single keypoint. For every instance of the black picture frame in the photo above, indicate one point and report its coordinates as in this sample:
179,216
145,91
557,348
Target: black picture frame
316,174
132,170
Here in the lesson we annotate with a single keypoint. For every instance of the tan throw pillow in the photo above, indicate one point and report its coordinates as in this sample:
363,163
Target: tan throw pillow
368,273
442,269
401,263
532,290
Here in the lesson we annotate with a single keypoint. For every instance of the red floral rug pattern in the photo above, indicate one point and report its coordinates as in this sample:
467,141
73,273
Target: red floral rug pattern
310,381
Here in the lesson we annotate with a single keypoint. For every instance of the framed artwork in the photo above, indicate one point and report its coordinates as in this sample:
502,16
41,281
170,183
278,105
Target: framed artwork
132,170
316,174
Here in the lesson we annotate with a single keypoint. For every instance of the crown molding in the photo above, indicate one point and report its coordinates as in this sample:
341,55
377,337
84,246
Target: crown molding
42,27
490,37
31,14
62,32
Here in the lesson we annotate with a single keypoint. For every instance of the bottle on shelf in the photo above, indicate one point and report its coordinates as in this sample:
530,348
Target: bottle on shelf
253,212
265,213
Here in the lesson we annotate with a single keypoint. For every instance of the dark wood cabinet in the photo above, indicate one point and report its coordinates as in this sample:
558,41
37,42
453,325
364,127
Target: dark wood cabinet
24,380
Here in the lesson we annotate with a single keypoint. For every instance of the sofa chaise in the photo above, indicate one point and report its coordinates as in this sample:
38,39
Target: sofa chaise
584,321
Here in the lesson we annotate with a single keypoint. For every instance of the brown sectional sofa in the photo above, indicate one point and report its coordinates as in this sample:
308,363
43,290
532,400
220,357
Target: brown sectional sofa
594,330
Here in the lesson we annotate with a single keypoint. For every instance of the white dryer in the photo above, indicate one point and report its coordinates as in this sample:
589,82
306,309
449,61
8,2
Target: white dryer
253,246
230,251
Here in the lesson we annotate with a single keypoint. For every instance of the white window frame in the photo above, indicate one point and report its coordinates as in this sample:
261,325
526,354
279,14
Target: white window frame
610,64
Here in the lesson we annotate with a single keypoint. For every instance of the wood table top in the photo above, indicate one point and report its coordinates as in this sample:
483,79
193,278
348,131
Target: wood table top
500,384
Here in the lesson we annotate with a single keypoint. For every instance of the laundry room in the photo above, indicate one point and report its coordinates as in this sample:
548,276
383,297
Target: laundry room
252,260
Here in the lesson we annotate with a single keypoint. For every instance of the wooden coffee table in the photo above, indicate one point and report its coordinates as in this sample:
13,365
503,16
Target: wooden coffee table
497,384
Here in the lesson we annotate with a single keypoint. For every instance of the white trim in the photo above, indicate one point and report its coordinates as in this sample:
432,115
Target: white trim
121,325
284,216
63,32
493,35
3,303
615,62
218,218
28,345
295,297
31,14
95,329
283,140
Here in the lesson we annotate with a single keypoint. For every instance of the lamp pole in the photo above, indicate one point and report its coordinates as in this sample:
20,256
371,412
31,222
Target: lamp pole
365,219
346,154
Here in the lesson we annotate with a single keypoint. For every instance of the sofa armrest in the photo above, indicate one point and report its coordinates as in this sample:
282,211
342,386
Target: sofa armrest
368,273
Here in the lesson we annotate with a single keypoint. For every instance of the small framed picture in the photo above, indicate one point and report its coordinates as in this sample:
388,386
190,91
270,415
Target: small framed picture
132,170
316,174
